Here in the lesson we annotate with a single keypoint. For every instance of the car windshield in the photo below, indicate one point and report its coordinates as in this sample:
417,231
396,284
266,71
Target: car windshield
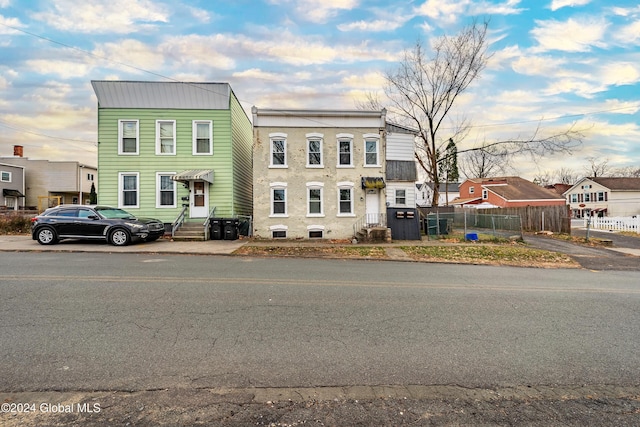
114,213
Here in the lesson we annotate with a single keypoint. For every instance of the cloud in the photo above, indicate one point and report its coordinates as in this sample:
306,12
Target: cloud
449,11
619,73
443,10
200,15
371,81
573,35
319,11
629,34
112,17
559,4
63,68
256,74
378,25
133,53
11,22
195,51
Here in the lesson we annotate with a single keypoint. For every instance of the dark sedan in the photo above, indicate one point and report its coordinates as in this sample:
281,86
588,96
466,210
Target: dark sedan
114,225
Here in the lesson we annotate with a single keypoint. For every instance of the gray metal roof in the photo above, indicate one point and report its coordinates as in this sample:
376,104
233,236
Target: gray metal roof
174,95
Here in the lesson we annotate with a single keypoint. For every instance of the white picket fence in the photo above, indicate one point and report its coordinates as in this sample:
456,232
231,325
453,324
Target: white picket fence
615,223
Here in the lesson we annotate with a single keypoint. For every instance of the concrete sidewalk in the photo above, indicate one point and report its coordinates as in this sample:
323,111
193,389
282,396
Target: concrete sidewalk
24,243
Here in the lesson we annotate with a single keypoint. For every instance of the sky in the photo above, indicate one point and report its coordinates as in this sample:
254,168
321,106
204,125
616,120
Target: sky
554,64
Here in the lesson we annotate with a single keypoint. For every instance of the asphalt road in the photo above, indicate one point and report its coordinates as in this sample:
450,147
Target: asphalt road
145,322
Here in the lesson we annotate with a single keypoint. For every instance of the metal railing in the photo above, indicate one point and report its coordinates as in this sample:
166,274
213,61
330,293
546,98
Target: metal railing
206,222
178,221
370,221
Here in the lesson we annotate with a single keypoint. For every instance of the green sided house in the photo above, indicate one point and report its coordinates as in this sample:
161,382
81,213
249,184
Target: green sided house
173,150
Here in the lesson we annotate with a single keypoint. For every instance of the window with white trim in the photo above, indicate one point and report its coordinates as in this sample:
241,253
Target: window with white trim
202,134
372,150
278,150
279,199
128,189
314,150
165,137
90,177
574,198
5,176
166,194
601,196
345,199
345,153
485,193
128,137
278,231
401,197
314,199
472,190
315,231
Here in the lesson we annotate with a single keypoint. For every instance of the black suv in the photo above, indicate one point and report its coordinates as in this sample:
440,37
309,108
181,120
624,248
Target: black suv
114,225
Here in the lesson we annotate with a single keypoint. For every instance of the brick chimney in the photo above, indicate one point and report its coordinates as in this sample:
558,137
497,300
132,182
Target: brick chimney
18,151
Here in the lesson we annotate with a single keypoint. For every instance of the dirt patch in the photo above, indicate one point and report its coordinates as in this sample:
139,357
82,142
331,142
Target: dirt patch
511,255
349,252
410,405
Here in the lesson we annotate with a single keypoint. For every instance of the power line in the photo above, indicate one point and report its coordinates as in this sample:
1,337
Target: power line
2,123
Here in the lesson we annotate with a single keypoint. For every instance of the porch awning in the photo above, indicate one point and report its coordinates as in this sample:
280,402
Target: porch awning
373,182
194,175
6,192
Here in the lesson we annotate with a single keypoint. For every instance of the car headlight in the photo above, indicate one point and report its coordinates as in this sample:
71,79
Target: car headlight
136,226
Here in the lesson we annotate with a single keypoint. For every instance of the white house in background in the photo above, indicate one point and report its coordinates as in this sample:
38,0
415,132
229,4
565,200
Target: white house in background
447,193
604,197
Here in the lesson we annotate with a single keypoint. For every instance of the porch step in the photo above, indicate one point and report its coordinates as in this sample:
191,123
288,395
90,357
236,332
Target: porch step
190,231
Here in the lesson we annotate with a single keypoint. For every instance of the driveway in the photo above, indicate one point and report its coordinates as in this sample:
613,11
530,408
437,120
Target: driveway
618,257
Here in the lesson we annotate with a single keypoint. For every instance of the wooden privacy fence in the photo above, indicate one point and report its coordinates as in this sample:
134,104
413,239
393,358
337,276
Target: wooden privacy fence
537,218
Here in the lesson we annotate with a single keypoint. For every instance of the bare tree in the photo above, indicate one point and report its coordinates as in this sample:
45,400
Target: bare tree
566,176
597,168
628,172
424,89
485,162
543,178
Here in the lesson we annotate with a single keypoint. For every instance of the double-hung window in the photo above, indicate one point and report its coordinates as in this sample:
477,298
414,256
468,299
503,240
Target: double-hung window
401,197
165,190
314,150
345,150
345,199
574,198
202,132
277,150
314,199
128,189
128,137
166,137
372,150
5,176
485,194
278,199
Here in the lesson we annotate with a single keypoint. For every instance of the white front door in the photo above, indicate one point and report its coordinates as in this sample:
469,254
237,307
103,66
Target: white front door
199,199
372,206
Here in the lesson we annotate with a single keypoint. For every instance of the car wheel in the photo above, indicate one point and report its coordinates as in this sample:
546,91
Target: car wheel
47,236
119,237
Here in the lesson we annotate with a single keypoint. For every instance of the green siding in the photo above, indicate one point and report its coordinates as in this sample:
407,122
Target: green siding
242,136
147,163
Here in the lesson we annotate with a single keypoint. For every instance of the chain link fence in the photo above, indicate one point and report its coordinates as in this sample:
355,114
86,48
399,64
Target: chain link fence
471,224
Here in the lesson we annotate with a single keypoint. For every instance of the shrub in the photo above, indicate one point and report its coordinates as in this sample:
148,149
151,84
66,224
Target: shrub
15,224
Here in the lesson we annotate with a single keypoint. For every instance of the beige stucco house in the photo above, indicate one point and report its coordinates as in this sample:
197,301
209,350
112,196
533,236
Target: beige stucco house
317,173
49,182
